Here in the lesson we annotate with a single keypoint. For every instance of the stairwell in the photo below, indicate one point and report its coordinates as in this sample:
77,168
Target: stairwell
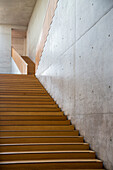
34,132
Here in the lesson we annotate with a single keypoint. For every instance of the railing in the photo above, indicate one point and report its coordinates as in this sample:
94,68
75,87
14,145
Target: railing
21,64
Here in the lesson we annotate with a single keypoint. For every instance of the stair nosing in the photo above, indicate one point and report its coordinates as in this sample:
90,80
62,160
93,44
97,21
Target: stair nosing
34,144
46,152
12,137
50,161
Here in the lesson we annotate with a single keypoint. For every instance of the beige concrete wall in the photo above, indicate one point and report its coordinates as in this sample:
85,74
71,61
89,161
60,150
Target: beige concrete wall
5,47
76,68
35,27
20,45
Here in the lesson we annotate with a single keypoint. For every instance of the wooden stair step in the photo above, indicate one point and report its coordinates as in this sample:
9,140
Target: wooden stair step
24,88
46,109
43,147
18,86
26,103
33,128
31,100
52,113
41,139
51,164
26,100
21,88
2,97
33,122
27,106
45,155
40,133
23,93
33,117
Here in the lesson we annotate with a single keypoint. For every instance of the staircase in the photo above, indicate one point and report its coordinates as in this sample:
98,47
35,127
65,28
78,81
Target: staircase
35,133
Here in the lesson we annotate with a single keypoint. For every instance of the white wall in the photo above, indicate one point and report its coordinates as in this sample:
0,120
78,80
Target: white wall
35,27
76,68
14,68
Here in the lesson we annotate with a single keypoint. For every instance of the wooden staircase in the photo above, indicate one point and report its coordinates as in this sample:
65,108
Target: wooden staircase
35,133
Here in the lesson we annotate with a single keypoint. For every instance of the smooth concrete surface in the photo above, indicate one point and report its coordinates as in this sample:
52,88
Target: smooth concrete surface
16,12
20,45
35,27
76,68
5,48
14,67
86,17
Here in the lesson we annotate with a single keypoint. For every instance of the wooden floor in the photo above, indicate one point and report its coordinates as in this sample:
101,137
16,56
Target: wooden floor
35,133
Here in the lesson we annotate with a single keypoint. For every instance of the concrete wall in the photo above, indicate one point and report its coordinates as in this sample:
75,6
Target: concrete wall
76,68
5,47
35,27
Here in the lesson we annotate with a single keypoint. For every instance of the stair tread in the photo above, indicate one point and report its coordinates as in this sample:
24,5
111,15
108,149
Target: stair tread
49,161
4,137
33,113
38,152
20,144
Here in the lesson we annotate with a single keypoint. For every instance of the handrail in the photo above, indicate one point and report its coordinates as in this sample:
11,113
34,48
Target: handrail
20,62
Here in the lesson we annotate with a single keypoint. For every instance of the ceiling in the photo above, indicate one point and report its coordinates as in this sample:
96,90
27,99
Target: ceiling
16,12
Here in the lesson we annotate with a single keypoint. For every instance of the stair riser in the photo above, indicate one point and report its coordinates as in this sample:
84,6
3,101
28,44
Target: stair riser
30,99
89,165
21,97
23,93
29,109
36,123
28,106
25,103
41,140
44,113
71,133
44,148
36,118
24,100
33,128
21,88
47,156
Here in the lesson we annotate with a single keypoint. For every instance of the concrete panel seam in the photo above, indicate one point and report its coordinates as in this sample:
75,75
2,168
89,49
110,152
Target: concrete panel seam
61,55
95,23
